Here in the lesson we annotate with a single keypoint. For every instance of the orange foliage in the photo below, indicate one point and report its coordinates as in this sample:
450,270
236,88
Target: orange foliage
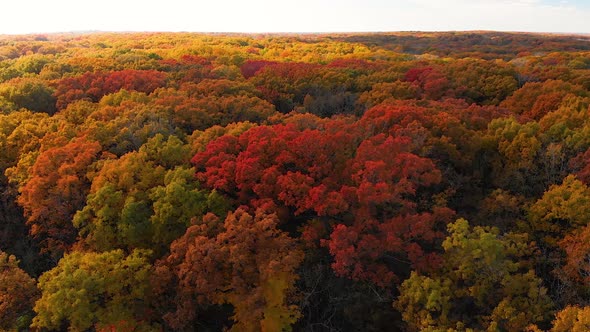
56,190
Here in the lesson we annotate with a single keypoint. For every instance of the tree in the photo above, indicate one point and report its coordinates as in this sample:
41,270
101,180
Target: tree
337,173
535,99
117,212
430,81
94,290
487,282
188,68
145,199
574,270
21,137
94,85
381,92
251,67
572,319
177,202
577,248
18,292
213,102
520,146
125,121
386,221
56,189
480,81
503,210
562,209
245,261
32,94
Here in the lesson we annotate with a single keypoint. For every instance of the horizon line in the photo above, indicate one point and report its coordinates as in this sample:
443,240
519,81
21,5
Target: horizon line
91,31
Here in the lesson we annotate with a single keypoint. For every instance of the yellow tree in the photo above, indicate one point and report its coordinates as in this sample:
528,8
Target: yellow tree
562,209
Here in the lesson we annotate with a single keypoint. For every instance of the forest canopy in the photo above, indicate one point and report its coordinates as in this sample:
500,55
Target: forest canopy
345,182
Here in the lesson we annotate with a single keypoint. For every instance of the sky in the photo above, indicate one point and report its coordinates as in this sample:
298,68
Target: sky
46,16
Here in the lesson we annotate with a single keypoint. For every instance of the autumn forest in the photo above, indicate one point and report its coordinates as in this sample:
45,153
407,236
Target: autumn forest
284,182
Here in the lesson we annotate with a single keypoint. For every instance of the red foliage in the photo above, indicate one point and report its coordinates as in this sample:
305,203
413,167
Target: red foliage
431,81
581,165
577,248
249,264
251,67
333,172
189,68
268,162
93,86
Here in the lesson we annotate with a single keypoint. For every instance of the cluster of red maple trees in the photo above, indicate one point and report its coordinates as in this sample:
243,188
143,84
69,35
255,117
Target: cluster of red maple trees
155,182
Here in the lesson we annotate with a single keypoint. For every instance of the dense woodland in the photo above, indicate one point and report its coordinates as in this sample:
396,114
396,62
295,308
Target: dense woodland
377,182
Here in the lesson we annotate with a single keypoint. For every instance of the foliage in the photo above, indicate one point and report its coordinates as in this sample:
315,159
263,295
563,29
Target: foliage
247,263
95,290
487,283
190,181
56,189
18,292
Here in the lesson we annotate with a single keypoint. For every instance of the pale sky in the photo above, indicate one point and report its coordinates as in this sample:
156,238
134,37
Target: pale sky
37,16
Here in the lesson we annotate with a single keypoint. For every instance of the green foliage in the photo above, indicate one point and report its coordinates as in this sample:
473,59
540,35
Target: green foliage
176,203
31,94
87,290
145,199
487,283
117,212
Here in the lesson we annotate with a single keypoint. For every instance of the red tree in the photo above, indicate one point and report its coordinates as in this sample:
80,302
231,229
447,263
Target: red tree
365,172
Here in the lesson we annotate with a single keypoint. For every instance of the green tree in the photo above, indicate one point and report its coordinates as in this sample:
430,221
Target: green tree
145,199
87,290
29,93
487,282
